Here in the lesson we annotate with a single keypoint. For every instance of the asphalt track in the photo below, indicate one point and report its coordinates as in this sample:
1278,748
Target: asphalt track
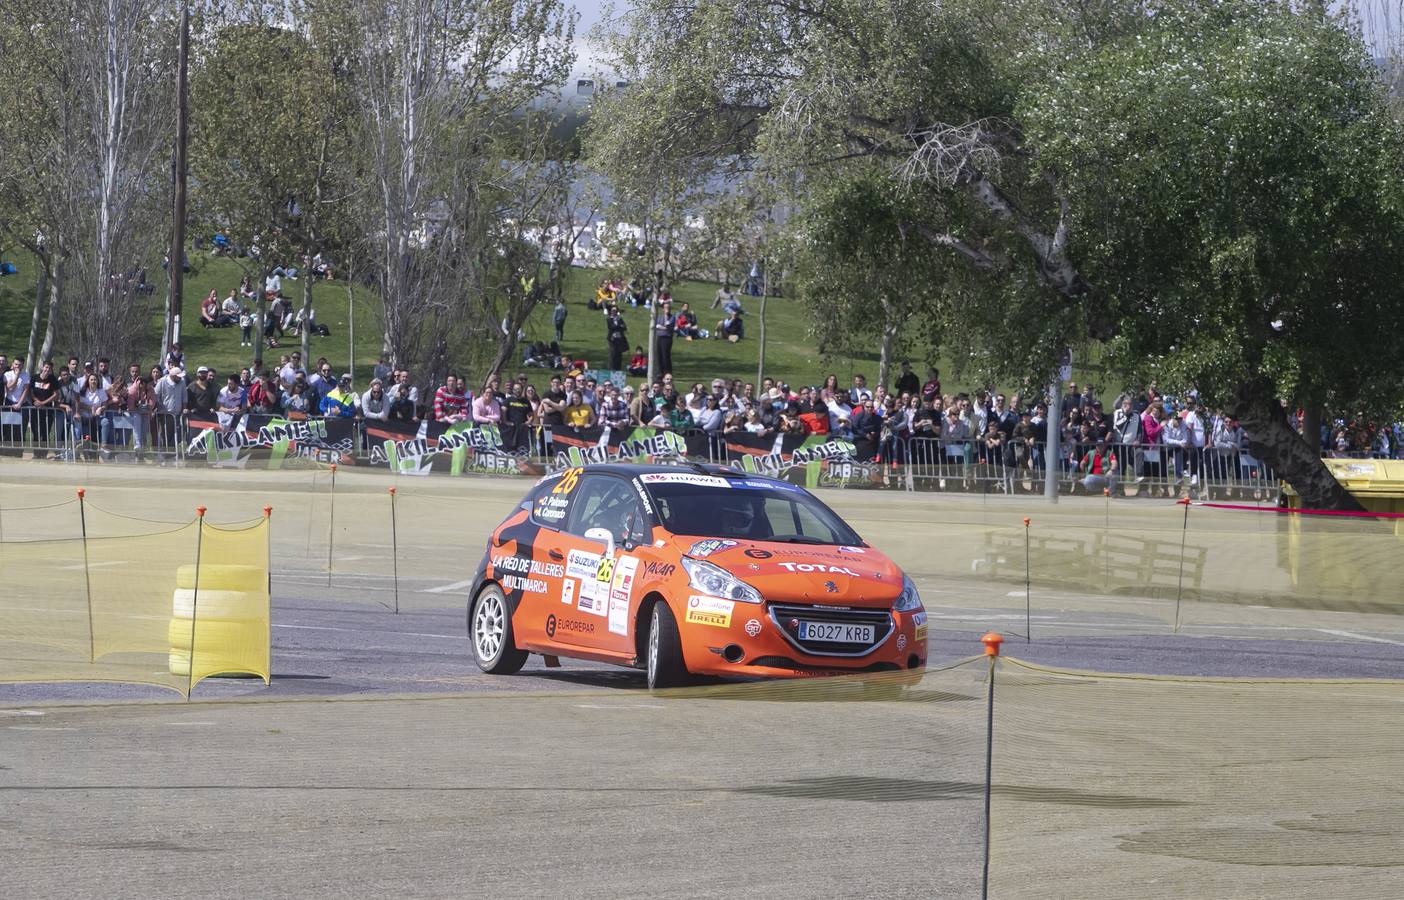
380,761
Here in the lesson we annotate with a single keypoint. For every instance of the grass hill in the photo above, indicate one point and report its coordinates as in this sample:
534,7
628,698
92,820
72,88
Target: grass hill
790,352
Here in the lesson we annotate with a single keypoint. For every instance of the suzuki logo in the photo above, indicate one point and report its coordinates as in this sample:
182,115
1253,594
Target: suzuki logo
831,587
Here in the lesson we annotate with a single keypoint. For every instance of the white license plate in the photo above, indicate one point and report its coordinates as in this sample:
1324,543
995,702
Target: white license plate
836,633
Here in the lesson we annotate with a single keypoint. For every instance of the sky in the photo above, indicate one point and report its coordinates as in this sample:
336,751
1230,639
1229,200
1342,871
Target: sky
590,12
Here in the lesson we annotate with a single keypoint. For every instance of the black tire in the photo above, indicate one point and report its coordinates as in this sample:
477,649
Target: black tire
490,633
665,665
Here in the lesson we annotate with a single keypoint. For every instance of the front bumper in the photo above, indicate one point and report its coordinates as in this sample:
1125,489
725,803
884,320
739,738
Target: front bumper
757,643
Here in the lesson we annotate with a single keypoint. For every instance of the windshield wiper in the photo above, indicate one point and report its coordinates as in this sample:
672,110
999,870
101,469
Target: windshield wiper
798,539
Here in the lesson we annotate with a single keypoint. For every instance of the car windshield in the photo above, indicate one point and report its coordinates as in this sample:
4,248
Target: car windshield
746,509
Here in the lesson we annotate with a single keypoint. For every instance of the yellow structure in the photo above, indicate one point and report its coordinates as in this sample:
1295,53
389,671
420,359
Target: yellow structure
1353,561
135,607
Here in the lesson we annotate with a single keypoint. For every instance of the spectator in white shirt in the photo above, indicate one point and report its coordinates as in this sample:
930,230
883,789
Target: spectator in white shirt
1176,439
288,373
1194,432
860,391
839,411
232,402
16,395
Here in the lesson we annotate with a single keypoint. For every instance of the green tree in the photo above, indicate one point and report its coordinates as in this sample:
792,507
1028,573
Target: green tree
437,86
865,267
1237,199
264,139
81,160
1209,183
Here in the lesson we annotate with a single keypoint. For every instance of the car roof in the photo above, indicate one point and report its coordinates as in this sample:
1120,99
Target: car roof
630,470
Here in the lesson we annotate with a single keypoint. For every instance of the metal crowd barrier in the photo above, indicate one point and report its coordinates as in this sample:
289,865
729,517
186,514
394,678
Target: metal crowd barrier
926,463
1141,469
51,433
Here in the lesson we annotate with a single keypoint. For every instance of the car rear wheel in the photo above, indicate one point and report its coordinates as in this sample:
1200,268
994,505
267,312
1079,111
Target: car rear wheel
490,632
665,660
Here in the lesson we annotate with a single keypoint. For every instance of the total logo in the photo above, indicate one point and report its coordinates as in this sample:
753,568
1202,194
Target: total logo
753,627
818,567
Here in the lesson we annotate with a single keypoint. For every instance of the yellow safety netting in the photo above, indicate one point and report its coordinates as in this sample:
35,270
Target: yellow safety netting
1090,564
1131,786
1114,565
128,607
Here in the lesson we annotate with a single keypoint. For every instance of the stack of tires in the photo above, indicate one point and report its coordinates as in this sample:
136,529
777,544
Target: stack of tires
231,608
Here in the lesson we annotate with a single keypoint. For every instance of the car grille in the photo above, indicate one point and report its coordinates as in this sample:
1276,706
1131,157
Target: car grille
781,615
784,662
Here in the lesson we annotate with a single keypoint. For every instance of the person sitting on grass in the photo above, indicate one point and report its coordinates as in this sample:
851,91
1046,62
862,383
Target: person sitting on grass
638,363
732,329
685,323
209,310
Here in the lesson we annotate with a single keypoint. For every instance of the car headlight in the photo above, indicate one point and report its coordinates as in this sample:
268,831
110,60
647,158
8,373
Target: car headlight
909,600
717,582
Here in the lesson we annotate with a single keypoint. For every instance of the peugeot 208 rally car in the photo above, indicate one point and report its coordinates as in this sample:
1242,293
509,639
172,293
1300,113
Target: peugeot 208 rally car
689,570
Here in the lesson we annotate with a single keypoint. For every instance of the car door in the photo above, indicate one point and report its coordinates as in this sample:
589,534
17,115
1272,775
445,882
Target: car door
601,583
530,562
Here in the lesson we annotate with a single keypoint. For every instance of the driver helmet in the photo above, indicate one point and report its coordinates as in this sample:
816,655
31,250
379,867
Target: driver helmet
735,515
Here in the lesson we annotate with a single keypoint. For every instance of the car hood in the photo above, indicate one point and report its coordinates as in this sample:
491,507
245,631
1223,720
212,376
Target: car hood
813,573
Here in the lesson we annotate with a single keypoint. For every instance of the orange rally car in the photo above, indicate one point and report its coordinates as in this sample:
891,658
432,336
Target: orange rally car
689,570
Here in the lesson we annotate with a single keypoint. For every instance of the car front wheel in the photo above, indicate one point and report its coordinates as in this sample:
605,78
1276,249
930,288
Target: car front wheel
665,660
490,632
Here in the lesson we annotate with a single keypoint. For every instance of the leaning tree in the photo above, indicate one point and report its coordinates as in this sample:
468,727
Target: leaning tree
1211,185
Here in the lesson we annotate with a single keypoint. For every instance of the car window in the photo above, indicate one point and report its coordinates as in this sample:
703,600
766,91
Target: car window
606,502
748,509
787,518
554,498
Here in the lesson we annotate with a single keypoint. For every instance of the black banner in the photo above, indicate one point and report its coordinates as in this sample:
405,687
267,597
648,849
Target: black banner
272,441
418,448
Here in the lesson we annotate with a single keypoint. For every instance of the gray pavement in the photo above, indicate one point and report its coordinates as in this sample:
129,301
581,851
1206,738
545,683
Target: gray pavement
381,762
336,648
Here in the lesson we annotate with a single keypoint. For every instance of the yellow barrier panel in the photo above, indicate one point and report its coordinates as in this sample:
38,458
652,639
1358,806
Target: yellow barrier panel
126,607
228,602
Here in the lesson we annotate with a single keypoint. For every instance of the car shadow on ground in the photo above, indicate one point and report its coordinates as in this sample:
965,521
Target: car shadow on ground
621,679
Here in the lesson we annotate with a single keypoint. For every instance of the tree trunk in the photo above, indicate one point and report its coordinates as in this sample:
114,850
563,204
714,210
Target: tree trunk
507,343
1256,406
889,336
350,329
55,295
261,304
304,332
1311,423
39,284
170,334
760,351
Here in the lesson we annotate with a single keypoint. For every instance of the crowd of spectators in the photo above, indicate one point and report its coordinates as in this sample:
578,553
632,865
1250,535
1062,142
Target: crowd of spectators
148,408
1104,443
1139,435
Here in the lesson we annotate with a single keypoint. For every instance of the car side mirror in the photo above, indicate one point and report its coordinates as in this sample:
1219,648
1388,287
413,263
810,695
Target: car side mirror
604,537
